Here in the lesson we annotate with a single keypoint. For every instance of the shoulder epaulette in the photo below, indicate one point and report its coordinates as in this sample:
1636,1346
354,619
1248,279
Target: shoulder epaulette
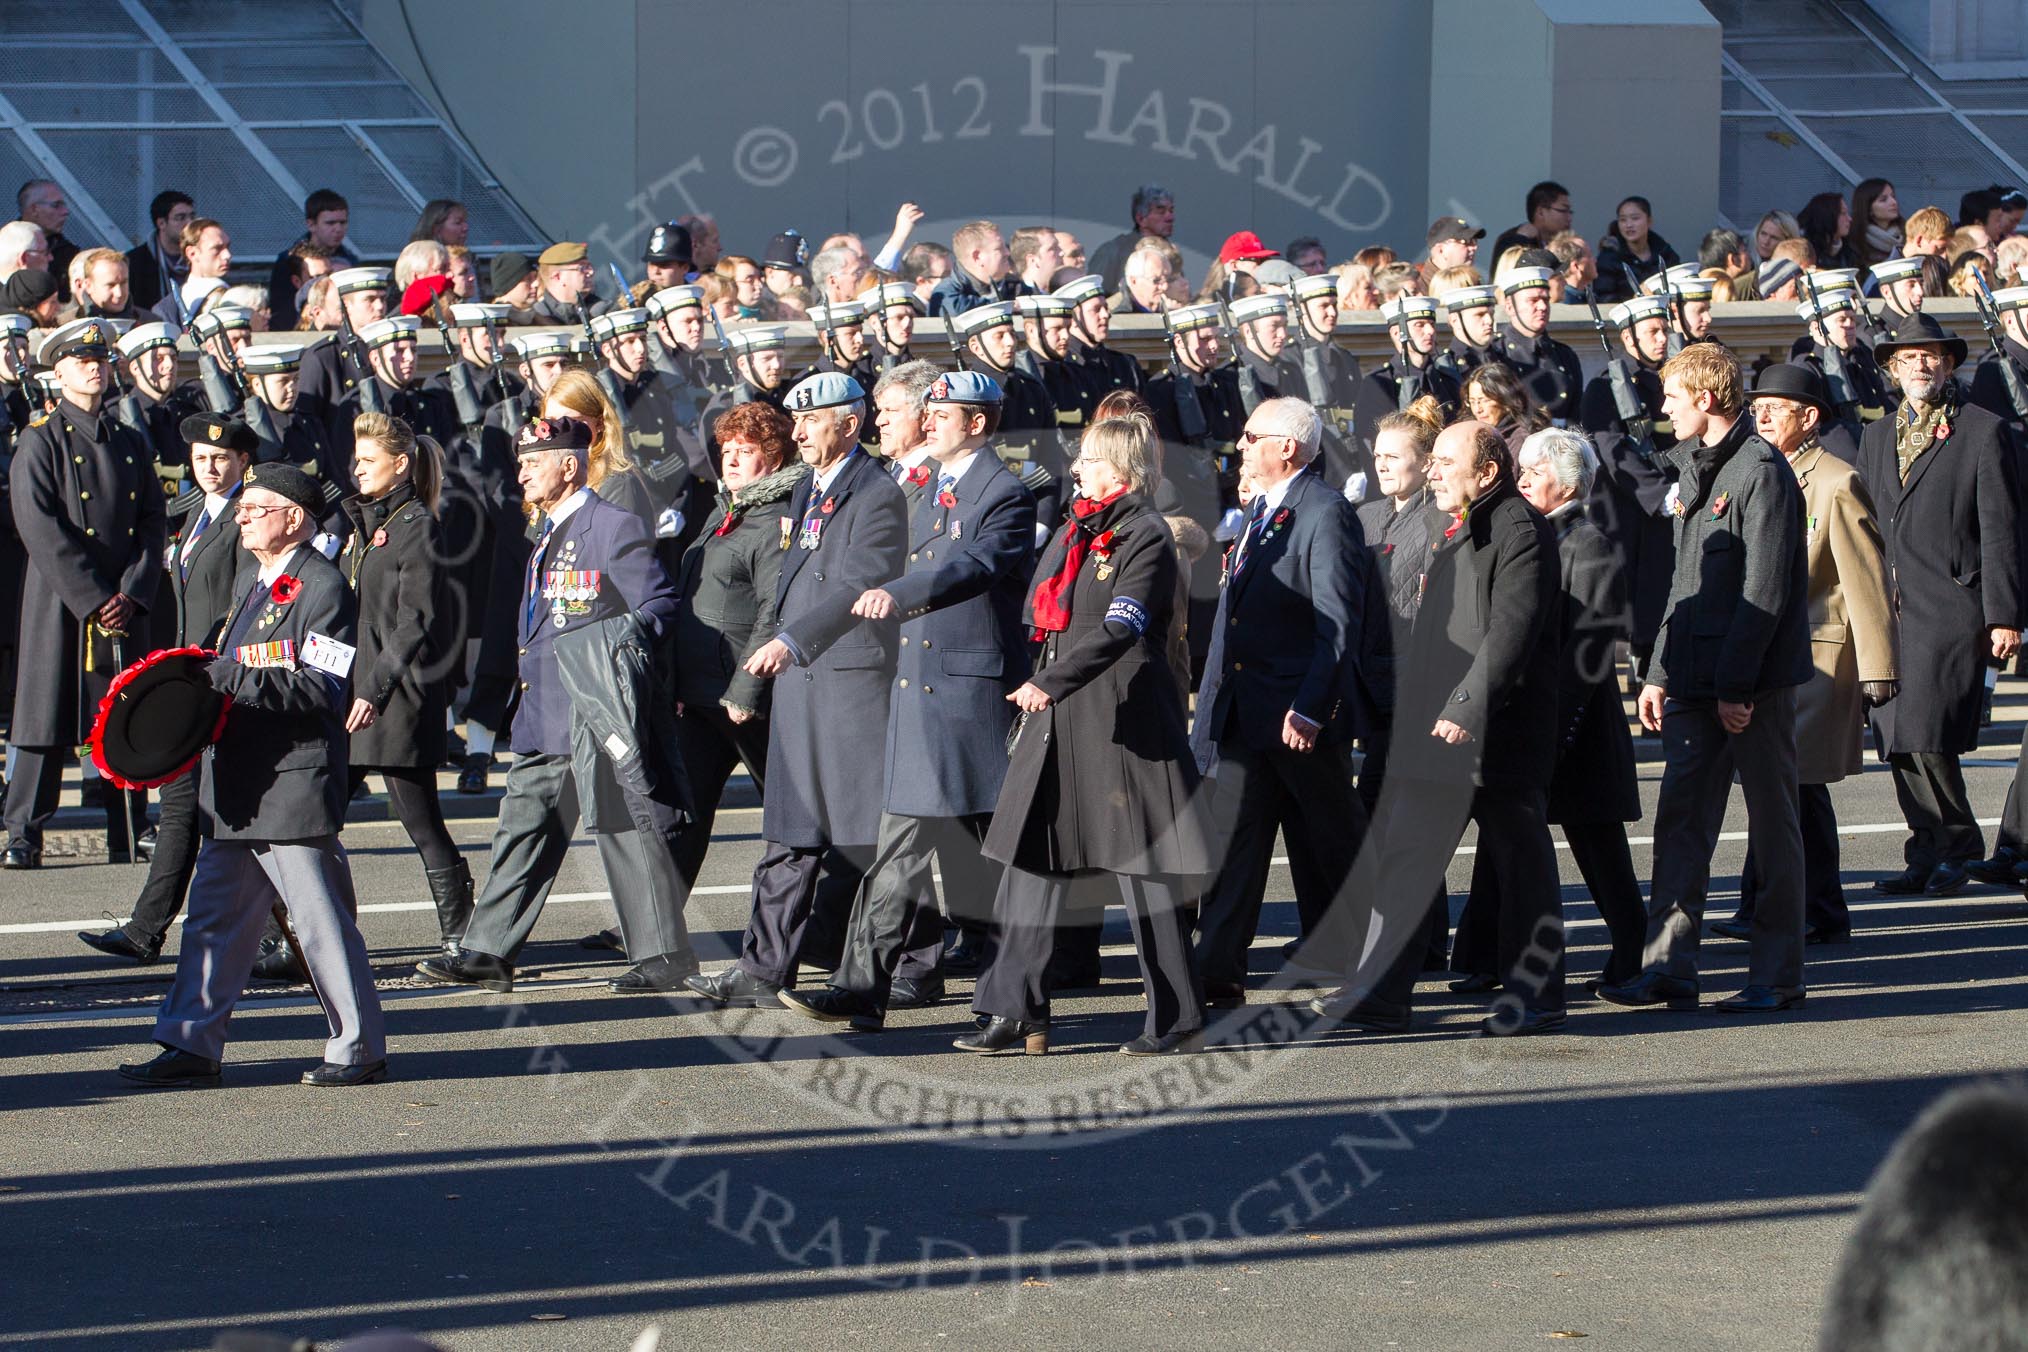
39,419
186,502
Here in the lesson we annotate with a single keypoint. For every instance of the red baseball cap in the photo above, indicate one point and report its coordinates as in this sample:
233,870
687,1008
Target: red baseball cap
1246,244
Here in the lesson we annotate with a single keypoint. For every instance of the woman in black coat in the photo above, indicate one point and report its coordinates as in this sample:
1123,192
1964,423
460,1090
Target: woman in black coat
401,674
1592,793
1631,252
728,583
1101,780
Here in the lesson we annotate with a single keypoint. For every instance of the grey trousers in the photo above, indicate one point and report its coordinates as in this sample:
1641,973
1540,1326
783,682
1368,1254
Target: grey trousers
537,819
1699,758
232,893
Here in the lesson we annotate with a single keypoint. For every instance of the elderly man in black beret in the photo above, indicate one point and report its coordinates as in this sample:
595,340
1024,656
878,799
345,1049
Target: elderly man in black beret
271,799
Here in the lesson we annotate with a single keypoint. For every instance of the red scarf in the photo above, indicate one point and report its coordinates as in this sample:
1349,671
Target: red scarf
1052,597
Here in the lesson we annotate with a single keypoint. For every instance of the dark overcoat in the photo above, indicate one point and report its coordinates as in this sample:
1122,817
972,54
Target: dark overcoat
729,584
963,647
1104,777
1953,570
828,730
89,511
1483,652
198,588
1594,779
406,662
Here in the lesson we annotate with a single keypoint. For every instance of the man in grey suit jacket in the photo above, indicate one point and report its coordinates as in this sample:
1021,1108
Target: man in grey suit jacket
1733,648
971,547
271,799
832,670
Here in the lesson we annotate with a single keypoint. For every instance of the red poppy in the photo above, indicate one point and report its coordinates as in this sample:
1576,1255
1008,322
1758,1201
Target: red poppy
1454,527
919,475
1386,549
379,538
947,499
1103,545
830,505
285,589
1943,430
1282,517
725,526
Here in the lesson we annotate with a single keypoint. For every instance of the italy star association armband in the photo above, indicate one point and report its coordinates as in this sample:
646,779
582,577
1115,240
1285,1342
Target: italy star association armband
1129,612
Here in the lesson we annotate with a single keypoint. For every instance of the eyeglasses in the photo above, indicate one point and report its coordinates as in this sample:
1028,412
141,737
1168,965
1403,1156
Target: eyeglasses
253,511
1250,437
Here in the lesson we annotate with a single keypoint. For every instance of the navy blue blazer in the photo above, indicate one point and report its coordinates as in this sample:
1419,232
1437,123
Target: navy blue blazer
1294,619
963,647
600,563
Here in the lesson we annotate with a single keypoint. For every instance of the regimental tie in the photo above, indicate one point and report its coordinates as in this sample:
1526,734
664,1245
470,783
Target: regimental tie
1255,514
532,601
190,543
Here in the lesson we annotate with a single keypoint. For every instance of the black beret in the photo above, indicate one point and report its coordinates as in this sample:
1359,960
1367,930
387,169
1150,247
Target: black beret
28,288
553,434
232,432
285,480
508,271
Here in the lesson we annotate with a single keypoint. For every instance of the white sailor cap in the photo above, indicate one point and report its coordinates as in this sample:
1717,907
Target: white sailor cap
138,339
548,343
472,315
1694,288
1836,279
1524,279
349,280
20,325
91,337
837,313
1078,290
1629,313
672,298
1049,305
1404,308
613,323
381,332
757,338
1828,302
1315,286
825,389
1462,298
1265,305
1897,269
1670,276
269,359
979,318
2013,298
891,294
51,385
1184,318
220,318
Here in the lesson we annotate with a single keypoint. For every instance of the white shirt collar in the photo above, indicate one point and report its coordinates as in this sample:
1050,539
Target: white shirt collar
915,457
956,469
825,478
561,512
1275,495
218,505
274,570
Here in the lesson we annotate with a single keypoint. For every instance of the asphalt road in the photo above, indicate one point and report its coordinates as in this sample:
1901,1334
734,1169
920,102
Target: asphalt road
563,1168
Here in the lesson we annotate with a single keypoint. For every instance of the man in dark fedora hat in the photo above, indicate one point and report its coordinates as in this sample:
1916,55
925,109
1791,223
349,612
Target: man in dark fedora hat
1943,477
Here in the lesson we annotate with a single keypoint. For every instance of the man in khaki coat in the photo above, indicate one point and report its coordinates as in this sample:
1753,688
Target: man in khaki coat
1851,638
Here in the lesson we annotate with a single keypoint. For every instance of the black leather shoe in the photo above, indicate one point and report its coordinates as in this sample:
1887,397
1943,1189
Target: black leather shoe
1522,1023
469,968
1365,1016
1652,988
968,954
907,994
828,1004
1946,879
1224,995
1762,1000
1823,934
1905,884
18,855
332,1075
603,941
1478,983
734,987
280,962
1006,1035
1166,1045
117,943
174,1069
472,777
1733,928
657,976
1999,869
